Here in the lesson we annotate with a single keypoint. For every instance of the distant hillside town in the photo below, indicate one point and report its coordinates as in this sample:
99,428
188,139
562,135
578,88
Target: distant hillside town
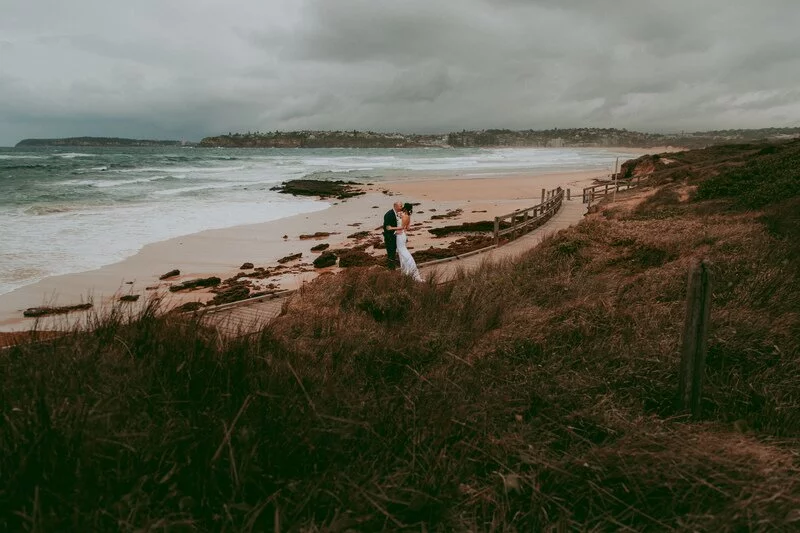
552,138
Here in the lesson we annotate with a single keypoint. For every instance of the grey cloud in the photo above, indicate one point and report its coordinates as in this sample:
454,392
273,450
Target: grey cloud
424,84
190,68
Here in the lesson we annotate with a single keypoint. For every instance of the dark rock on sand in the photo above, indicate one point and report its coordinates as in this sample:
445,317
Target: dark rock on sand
326,259
44,311
315,235
129,298
359,235
353,258
170,274
292,257
213,281
320,247
246,266
324,189
230,294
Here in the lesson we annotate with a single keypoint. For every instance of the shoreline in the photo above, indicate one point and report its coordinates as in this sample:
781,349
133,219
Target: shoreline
219,252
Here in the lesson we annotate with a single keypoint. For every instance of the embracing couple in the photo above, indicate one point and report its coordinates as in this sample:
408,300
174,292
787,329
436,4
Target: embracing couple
396,222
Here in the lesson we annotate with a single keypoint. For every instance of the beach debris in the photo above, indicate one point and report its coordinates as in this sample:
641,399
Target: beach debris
152,287
291,257
232,293
354,258
315,235
482,226
129,298
325,259
359,235
355,224
170,274
481,211
246,266
46,310
285,236
212,281
323,188
450,214
261,274
468,243
320,247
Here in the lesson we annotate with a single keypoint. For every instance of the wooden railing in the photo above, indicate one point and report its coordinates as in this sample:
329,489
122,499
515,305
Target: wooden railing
595,192
524,220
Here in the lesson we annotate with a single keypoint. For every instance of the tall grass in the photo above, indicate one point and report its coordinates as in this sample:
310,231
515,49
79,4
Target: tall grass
534,395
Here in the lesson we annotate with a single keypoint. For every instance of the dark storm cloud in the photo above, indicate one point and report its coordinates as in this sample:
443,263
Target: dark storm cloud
186,69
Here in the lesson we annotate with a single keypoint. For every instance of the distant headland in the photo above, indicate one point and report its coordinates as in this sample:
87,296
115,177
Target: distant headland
97,141
552,138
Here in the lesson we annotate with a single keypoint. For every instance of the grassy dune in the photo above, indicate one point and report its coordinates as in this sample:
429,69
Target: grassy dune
531,396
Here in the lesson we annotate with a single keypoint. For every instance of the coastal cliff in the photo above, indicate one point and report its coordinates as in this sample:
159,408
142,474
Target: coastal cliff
324,139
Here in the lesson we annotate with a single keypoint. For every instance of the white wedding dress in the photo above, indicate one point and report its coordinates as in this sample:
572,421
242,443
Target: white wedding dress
407,264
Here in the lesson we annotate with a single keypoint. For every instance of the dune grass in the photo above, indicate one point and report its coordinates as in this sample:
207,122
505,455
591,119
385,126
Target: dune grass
530,396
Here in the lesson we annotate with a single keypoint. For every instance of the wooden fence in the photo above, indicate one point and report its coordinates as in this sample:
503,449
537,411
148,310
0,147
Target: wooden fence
600,190
522,221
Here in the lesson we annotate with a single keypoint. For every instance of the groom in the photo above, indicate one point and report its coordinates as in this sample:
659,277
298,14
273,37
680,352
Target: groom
391,220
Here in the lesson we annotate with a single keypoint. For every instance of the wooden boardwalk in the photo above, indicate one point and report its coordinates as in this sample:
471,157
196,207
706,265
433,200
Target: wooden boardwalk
250,316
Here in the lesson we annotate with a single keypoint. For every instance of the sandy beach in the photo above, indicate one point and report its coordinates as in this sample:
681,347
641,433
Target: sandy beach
221,252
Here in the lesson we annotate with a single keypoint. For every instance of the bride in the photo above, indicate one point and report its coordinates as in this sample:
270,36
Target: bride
407,264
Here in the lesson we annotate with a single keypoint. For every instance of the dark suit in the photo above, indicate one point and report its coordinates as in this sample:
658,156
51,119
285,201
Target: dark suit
389,237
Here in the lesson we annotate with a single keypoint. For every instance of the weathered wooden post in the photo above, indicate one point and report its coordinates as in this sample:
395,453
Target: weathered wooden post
695,338
496,231
543,193
569,191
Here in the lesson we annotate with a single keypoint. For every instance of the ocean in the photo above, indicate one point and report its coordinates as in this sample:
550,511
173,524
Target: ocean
72,210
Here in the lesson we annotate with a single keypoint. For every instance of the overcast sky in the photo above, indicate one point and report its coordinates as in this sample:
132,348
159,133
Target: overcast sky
185,69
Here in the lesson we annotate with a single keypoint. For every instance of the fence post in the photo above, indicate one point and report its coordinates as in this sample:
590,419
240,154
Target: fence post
543,191
569,191
695,338
496,231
